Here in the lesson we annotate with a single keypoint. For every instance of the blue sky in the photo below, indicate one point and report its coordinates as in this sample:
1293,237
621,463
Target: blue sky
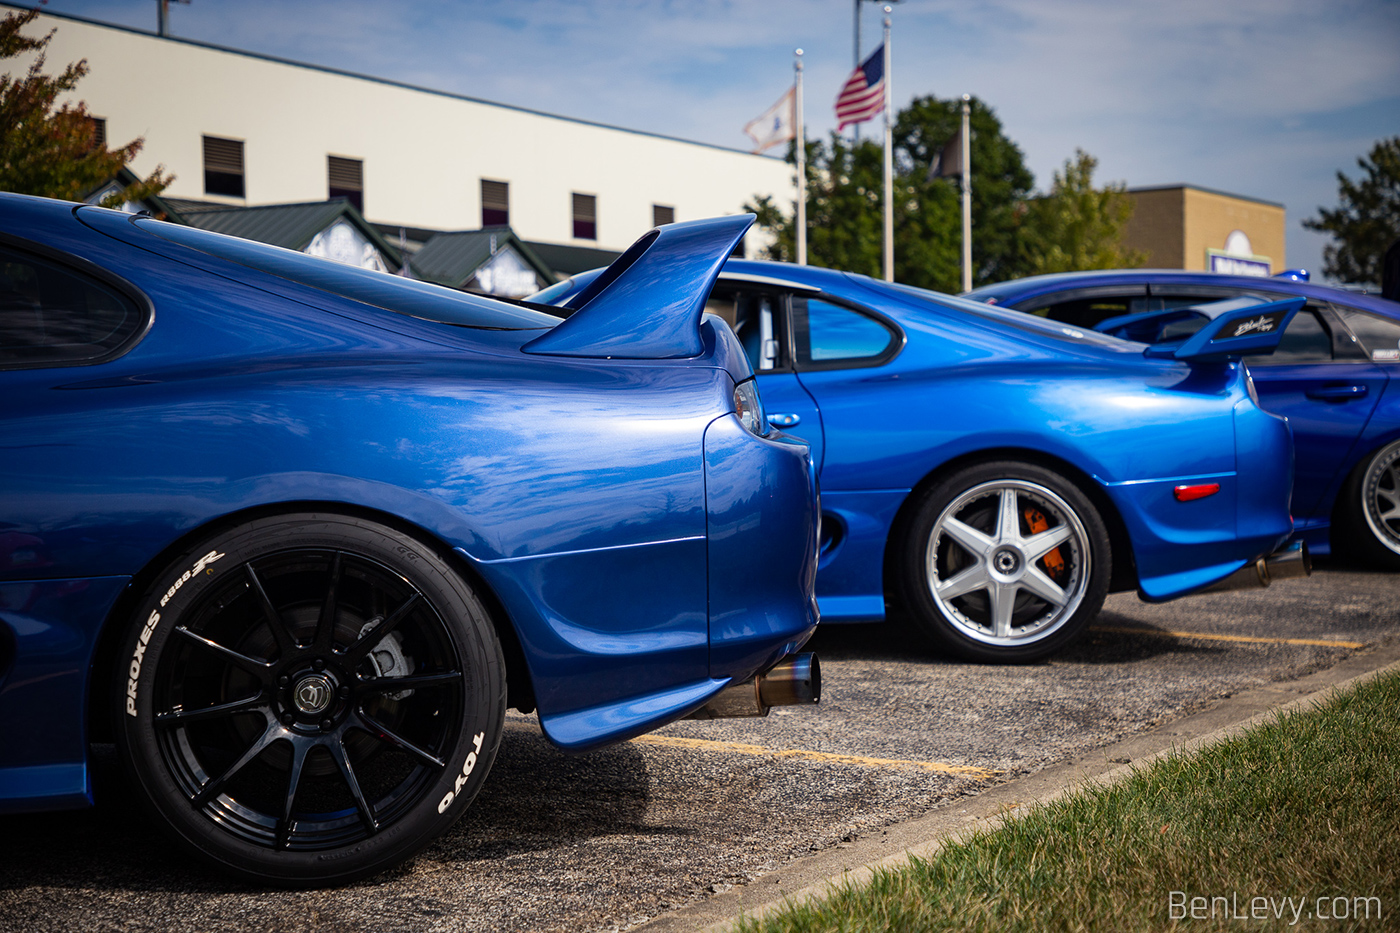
1264,98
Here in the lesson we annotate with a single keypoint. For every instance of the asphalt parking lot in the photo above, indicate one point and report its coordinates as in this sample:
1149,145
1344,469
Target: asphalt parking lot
608,840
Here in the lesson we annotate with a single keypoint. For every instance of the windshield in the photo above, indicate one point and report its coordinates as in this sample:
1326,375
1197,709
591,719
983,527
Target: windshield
547,296
391,292
1017,319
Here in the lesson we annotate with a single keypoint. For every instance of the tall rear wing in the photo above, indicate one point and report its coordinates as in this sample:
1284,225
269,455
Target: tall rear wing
647,305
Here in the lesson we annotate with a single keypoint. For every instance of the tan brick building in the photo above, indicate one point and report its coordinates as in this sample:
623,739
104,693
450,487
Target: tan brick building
1188,227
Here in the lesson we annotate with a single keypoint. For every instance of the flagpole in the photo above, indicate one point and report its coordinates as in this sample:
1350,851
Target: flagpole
889,159
966,194
801,143
855,129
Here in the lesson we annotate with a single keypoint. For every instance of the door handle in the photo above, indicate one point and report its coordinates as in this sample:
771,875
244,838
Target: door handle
1337,393
784,420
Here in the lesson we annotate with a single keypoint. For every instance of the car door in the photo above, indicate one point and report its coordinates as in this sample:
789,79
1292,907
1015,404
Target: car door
837,351
1327,389
758,316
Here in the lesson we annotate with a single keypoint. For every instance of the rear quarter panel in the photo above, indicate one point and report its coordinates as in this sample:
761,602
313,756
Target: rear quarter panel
576,486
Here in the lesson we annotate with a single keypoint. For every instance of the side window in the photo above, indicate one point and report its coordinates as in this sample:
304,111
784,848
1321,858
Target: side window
1379,336
1305,341
756,318
827,333
53,316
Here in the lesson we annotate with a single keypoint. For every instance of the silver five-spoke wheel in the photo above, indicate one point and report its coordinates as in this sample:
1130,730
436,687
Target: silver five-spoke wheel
1005,561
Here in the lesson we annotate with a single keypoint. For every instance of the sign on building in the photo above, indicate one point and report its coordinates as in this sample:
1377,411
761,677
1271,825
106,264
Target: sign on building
1237,258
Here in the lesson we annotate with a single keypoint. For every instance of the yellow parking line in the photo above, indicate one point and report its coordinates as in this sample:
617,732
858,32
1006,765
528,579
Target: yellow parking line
744,749
1128,630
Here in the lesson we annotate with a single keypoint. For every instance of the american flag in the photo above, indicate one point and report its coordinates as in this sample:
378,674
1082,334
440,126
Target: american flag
864,93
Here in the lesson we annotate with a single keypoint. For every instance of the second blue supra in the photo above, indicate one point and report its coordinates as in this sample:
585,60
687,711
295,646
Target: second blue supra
293,534
996,475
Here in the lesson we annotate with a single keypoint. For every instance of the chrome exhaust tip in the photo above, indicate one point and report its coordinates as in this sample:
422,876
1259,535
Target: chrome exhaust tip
1289,561
793,681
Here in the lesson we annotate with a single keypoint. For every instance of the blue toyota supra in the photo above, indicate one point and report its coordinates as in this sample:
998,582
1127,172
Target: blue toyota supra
996,475
1335,376
294,534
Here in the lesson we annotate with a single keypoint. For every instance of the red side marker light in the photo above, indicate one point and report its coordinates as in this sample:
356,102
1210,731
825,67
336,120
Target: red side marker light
1199,491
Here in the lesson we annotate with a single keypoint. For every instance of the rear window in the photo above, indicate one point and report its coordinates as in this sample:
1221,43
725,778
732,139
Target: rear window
1306,340
51,315
1380,336
390,292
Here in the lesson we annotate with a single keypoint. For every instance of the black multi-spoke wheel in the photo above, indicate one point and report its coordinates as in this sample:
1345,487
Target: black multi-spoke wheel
311,698
1004,561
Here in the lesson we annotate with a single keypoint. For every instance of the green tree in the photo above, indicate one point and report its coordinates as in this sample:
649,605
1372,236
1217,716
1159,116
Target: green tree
48,150
1000,182
1367,221
1077,226
845,206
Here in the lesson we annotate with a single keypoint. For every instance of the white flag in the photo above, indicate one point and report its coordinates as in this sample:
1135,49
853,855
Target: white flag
777,125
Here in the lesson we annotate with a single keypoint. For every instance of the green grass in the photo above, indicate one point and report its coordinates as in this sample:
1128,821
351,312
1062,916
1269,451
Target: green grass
1305,806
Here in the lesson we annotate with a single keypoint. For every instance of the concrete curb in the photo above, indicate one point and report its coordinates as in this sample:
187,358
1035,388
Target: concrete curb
814,878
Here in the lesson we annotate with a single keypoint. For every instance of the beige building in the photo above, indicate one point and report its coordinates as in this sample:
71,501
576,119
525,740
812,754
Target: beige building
242,130
1188,227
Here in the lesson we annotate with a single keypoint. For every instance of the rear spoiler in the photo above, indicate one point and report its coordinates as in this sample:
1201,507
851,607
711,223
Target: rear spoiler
647,304
1230,332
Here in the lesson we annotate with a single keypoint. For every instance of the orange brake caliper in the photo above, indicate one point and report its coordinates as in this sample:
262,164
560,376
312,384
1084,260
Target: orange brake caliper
1054,561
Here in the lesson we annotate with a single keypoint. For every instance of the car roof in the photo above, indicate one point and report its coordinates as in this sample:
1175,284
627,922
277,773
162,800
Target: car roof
834,281
1036,285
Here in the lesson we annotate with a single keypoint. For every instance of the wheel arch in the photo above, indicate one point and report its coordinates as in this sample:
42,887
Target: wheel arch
1124,563
104,666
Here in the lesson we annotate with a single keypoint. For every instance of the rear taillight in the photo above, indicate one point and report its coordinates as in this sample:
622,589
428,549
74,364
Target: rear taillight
749,407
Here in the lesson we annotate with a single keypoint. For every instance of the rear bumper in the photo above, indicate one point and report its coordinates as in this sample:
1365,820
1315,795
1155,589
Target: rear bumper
760,553
1181,547
50,629
762,514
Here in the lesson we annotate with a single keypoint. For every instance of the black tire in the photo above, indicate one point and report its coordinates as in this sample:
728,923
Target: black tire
1368,509
275,732
960,573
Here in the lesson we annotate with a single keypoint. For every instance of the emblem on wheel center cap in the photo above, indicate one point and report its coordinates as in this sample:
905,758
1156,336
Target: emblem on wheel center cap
1006,561
312,694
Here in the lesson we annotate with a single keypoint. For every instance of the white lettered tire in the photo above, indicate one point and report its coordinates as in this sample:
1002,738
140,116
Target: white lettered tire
308,699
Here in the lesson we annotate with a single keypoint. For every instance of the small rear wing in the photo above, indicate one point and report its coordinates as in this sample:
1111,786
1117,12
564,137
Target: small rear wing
1232,333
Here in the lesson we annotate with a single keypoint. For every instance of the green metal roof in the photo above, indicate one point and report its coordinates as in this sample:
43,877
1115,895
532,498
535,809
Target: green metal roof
183,206
452,259
571,260
288,225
